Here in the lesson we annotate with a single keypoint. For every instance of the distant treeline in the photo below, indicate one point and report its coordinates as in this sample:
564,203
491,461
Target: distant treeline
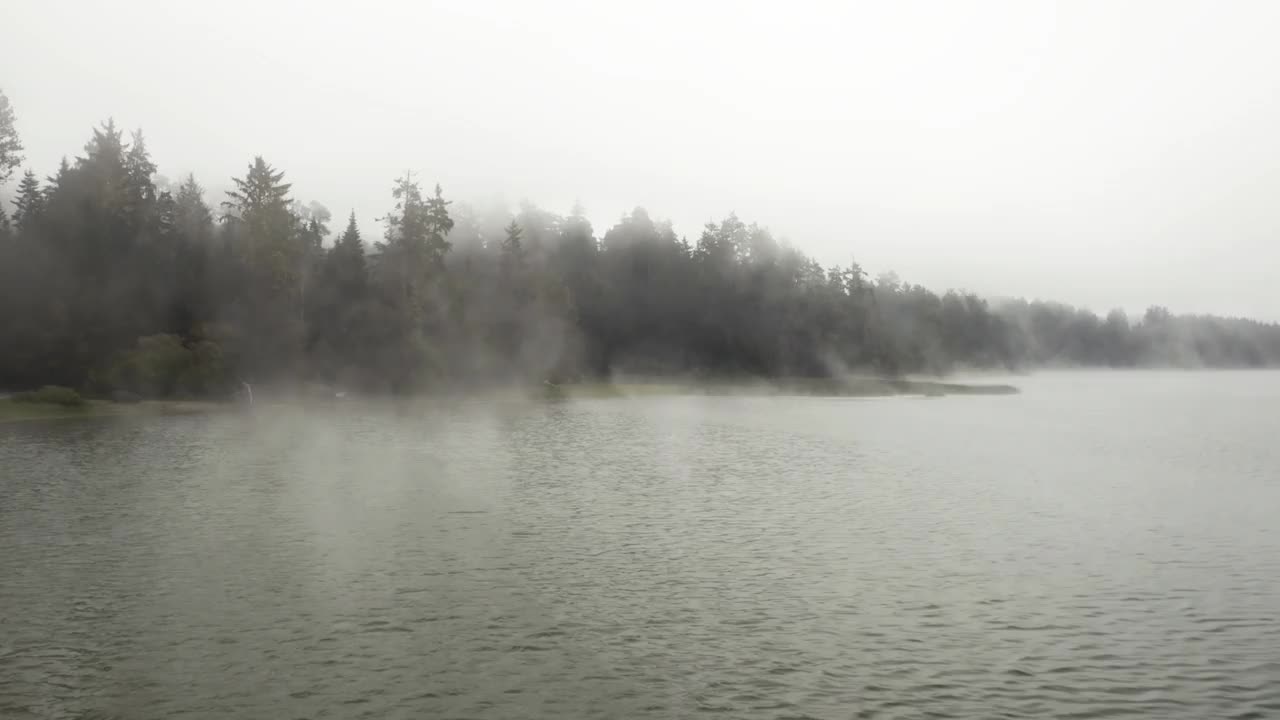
111,283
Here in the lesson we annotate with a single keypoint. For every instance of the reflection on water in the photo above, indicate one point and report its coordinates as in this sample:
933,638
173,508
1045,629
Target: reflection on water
1099,546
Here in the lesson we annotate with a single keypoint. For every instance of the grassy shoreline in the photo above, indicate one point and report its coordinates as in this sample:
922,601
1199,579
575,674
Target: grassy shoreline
14,411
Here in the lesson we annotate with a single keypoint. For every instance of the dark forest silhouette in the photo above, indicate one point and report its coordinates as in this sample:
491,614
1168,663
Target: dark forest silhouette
111,283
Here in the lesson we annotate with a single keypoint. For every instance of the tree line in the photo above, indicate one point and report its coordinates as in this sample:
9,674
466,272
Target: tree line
114,281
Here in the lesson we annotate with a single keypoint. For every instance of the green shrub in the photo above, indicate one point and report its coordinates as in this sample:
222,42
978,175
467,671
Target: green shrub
160,366
51,395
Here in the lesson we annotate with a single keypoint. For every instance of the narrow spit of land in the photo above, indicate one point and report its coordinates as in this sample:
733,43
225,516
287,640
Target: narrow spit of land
825,387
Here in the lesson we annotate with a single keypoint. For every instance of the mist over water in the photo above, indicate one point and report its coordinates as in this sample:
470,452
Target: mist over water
491,359
1100,545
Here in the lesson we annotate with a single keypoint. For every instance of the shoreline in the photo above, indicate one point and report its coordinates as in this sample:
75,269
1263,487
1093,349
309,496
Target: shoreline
13,411
849,387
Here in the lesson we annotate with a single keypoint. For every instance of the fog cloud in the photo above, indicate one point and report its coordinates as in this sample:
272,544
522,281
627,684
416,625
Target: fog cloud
1097,153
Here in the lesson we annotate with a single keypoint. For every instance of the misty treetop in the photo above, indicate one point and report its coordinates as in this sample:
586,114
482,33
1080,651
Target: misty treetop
110,282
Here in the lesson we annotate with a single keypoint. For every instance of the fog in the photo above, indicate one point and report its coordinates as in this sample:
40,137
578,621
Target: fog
1106,155
582,360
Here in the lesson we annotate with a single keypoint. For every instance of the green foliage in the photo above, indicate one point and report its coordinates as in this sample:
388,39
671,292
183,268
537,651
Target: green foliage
162,366
51,395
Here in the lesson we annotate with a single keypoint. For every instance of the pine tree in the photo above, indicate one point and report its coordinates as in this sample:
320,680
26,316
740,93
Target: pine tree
272,252
576,234
29,204
104,156
337,309
260,191
192,230
166,210
576,256
101,210
59,179
347,258
438,225
138,170
541,231
409,271
10,144
192,217
345,269
351,236
415,243
512,251
265,229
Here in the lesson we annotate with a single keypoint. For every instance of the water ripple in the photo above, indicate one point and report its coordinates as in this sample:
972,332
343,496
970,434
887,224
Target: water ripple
1062,553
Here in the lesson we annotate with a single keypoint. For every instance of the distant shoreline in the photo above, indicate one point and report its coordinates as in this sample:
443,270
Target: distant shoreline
849,387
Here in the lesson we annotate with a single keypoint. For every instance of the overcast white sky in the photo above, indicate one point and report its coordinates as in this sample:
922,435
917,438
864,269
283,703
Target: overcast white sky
1100,153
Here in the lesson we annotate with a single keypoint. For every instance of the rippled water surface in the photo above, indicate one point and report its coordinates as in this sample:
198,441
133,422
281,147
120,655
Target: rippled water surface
1102,545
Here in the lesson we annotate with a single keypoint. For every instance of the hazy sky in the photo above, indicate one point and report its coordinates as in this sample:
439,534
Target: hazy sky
1100,153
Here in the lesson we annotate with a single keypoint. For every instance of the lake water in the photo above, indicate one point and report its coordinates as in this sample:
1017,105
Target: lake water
1102,545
